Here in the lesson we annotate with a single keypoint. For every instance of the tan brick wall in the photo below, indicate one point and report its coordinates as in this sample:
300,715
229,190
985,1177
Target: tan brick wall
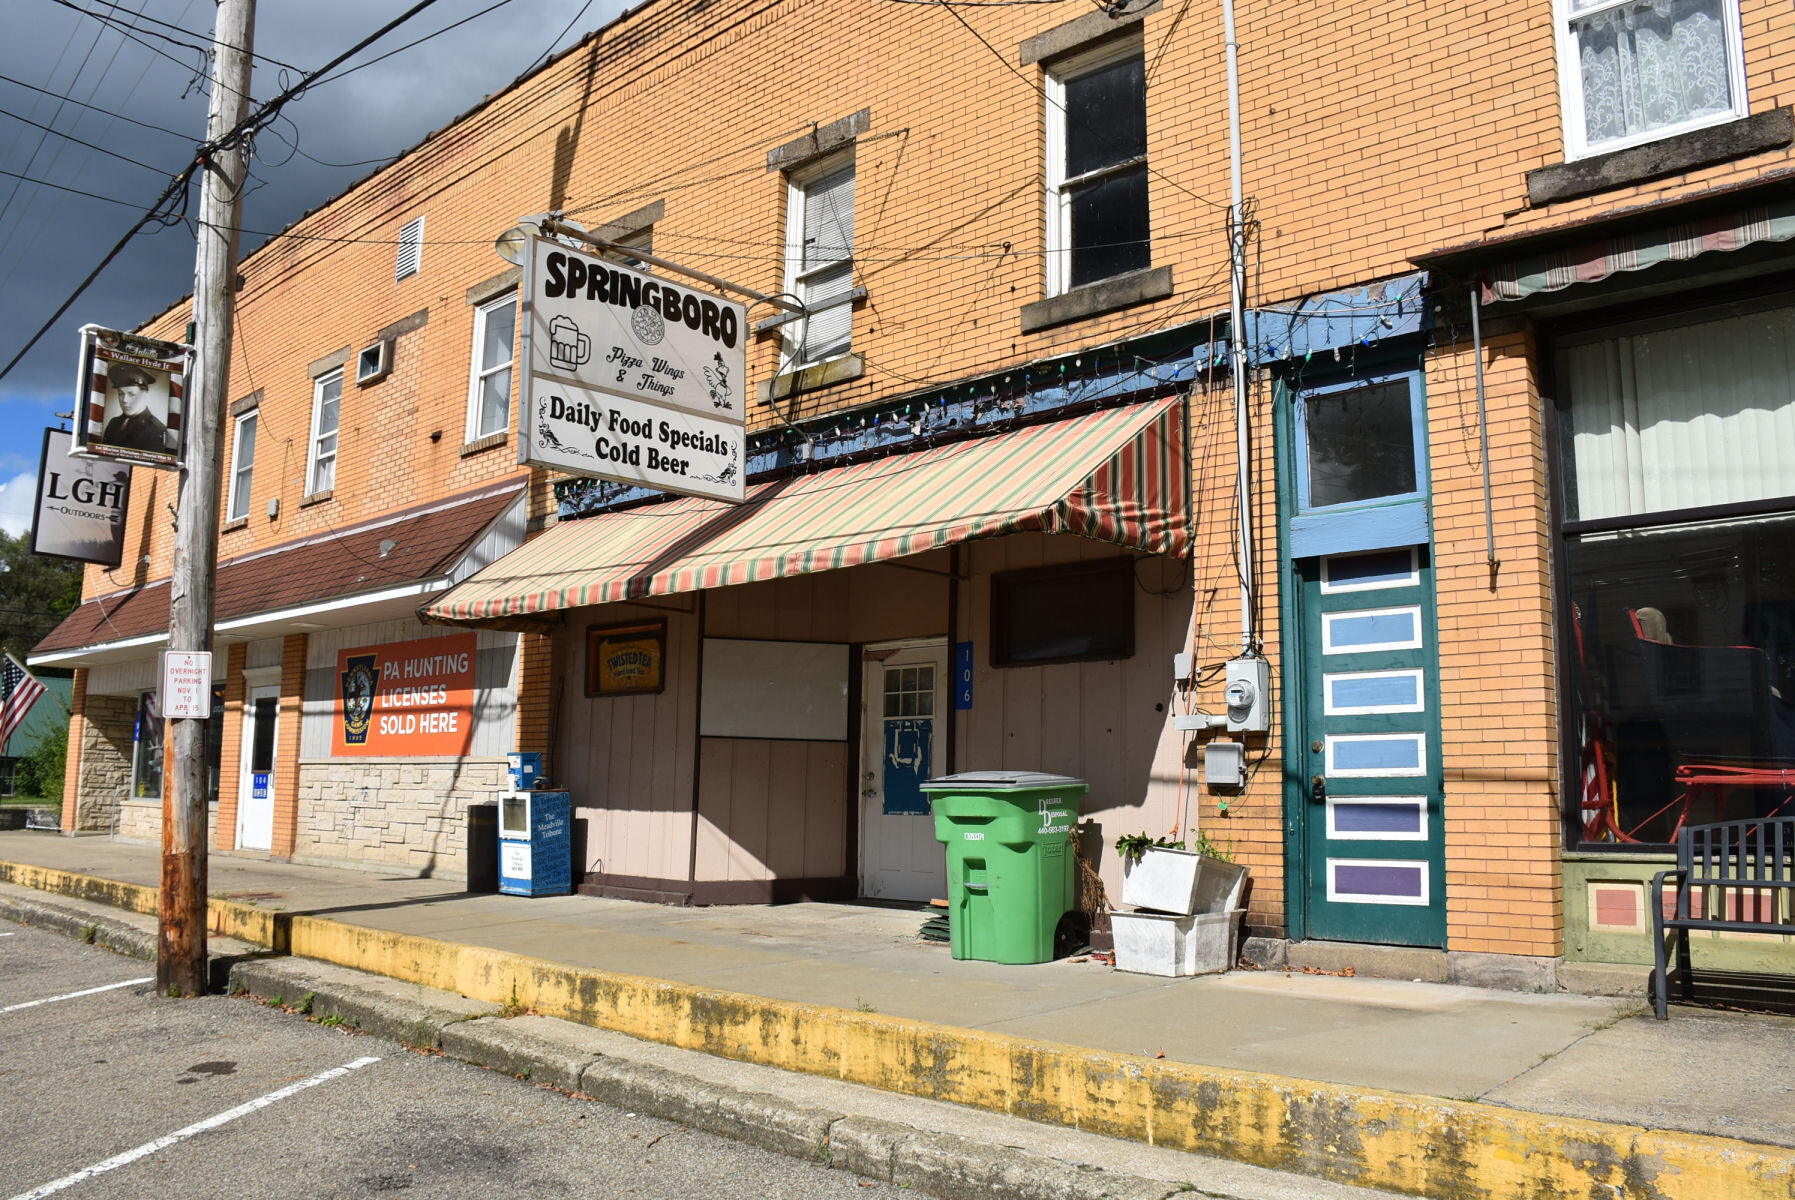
1373,133
230,749
286,750
536,671
1498,701
71,778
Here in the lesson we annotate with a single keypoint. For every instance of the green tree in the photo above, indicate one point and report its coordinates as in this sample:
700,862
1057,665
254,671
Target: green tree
41,772
35,593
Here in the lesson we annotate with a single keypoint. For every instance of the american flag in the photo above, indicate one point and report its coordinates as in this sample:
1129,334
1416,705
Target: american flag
19,690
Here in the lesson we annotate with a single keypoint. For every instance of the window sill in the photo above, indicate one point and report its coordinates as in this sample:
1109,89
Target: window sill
856,297
317,498
821,375
485,443
1094,299
234,524
1668,156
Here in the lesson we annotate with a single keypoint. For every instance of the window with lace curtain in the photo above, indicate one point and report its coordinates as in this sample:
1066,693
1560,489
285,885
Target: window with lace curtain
1633,71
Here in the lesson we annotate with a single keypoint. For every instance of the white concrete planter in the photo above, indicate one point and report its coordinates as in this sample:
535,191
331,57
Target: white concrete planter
1181,881
1167,944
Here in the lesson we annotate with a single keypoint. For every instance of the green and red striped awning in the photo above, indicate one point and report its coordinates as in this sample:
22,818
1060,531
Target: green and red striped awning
1116,475
1595,261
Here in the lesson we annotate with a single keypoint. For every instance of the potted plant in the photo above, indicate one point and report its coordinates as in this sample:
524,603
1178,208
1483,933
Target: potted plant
1163,875
1196,893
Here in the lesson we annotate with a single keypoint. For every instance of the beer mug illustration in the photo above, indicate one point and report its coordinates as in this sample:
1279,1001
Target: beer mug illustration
567,346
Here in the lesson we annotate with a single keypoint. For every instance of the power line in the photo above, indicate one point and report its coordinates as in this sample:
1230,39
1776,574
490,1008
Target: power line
128,33
71,137
6,205
185,137
1070,115
420,41
242,131
64,188
550,49
200,40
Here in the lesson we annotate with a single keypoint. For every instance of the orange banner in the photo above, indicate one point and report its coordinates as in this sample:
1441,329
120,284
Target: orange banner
405,699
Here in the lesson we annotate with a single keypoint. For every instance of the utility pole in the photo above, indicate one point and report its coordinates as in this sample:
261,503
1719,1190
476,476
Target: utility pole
181,907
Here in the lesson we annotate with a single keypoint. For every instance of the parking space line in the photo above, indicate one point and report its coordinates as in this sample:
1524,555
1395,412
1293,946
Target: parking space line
111,987
198,1127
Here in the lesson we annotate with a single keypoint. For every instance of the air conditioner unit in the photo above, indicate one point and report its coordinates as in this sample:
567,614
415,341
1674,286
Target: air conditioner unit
373,364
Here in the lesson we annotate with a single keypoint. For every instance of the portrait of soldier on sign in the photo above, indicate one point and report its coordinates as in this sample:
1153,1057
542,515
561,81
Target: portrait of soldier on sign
136,410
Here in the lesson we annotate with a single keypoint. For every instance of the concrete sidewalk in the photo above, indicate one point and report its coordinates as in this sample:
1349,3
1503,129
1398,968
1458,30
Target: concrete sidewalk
1589,1059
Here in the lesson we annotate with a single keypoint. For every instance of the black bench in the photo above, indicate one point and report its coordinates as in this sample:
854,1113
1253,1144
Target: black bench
1743,873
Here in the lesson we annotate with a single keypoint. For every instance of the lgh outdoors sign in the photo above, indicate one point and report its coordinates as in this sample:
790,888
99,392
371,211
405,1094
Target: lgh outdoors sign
631,377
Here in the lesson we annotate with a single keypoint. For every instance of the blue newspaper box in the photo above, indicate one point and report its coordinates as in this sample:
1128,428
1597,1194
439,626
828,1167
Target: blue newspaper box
524,767
536,844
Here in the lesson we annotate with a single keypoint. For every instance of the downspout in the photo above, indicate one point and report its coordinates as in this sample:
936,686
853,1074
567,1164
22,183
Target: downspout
1483,432
1237,345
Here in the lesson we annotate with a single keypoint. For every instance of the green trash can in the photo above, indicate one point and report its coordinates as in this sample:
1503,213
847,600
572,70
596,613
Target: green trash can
1009,867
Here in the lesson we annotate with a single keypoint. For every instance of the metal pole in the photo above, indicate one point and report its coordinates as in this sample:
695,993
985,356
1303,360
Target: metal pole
1483,432
1237,336
181,906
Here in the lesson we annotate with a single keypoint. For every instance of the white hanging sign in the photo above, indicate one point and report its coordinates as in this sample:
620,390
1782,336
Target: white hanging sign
632,377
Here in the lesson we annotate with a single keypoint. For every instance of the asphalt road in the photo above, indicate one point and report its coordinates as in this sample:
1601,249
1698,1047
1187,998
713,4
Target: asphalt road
119,1093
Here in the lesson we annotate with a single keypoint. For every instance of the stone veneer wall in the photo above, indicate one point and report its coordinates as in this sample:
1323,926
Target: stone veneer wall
407,815
106,740
141,821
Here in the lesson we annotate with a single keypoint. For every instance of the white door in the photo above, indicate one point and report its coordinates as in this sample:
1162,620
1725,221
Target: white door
255,785
905,711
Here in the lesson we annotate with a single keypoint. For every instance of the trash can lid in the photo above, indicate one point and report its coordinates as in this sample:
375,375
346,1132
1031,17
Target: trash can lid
1000,781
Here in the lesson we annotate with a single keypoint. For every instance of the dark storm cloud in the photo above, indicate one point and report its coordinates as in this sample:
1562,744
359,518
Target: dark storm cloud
139,84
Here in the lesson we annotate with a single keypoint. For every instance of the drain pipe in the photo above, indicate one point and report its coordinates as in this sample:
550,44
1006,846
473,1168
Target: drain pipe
1483,432
1237,338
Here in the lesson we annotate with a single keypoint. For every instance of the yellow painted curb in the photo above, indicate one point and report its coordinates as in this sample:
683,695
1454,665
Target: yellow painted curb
1446,1150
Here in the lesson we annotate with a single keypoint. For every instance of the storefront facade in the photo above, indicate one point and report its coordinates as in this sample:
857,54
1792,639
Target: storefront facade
1501,516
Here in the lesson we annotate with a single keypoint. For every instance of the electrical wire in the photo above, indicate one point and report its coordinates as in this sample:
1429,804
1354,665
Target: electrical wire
243,131
64,188
125,158
200,42
544,56
185,137
408,45
1070,115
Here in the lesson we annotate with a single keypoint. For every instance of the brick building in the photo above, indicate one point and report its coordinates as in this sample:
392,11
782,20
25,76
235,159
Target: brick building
1519,446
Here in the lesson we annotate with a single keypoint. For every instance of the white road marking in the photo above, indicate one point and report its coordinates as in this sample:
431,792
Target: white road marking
5,935
111,987
181,1135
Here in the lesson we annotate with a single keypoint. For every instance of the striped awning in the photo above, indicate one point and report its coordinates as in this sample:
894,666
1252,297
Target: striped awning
1115,475
1595,261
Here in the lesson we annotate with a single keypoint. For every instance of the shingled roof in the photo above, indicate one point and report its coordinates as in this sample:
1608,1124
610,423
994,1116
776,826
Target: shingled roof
419,544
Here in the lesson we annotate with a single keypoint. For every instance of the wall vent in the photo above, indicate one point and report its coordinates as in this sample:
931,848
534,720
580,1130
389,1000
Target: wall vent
411,250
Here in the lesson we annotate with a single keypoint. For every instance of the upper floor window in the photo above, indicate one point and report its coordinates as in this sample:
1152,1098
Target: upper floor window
1633,71
411,250
643,240
489,393
1097,166
243,463
819,260
327,401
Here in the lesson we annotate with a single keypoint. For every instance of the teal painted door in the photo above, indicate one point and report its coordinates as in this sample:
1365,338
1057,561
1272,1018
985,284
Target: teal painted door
1370,791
